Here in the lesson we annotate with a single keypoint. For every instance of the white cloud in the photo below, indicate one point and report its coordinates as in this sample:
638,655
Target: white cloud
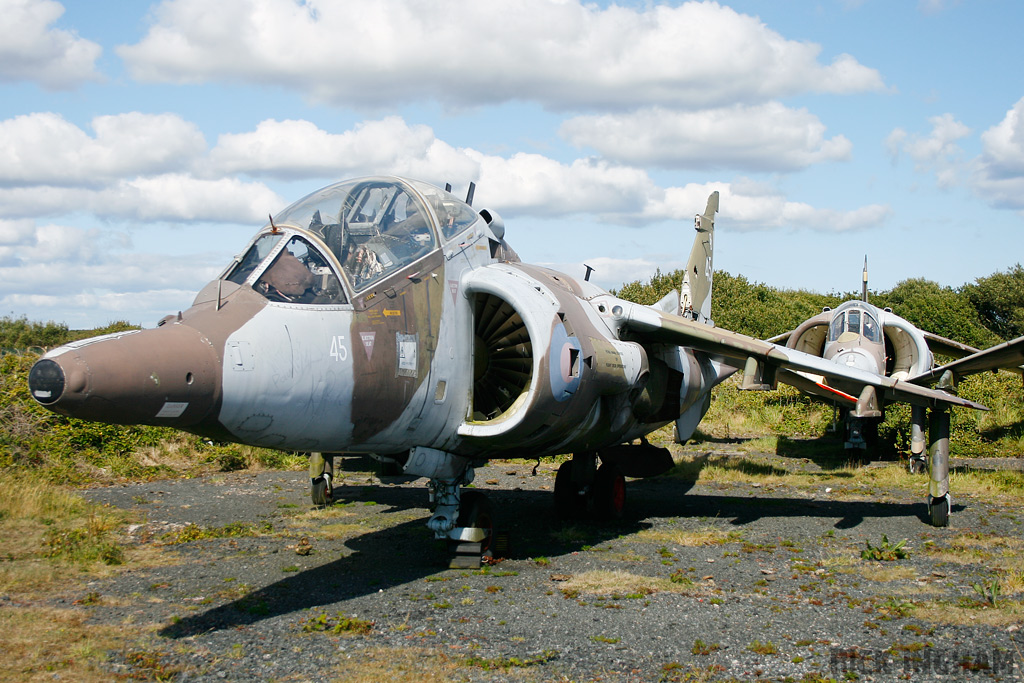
999,171
170,197
767,137
122,164
537,185
560,53
184,198
1003,155
44,148
938,152
749,206
610,272
85,310
57,267
32,51
299,149
90,277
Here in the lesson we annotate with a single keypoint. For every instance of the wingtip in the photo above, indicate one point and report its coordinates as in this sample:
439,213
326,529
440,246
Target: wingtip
712,207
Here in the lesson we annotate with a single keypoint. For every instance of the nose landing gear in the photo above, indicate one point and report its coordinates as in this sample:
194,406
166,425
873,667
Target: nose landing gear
321,474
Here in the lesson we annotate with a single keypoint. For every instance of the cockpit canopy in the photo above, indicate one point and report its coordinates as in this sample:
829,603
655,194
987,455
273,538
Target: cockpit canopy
856,321
374,227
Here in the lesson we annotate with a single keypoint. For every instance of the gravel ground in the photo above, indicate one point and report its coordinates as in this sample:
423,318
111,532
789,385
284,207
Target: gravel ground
781,591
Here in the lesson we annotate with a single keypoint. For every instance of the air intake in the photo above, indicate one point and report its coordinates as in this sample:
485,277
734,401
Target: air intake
502,357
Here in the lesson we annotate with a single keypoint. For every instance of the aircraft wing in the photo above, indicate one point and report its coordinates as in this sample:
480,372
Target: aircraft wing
1006,356
947,347
765,360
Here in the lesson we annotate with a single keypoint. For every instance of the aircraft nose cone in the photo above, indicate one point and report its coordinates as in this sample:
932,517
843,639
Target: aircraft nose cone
46,381
166,376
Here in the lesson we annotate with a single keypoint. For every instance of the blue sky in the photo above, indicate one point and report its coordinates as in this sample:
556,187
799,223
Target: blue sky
141,145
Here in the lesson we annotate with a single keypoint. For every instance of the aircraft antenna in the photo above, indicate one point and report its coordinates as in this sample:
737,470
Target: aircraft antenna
447,187
590,269
273,228
864,281
472,191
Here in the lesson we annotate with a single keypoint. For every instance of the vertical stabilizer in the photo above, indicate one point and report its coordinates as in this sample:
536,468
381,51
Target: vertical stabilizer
695,299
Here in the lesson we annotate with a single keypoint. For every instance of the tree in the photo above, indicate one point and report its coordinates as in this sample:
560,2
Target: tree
999,301
941,310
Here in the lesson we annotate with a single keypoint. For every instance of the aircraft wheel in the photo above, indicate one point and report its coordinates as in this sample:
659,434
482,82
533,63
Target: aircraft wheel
475,513
321,493
568,501
938,510
609,492
917,466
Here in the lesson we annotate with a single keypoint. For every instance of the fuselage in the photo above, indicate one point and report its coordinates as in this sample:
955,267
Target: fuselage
378,315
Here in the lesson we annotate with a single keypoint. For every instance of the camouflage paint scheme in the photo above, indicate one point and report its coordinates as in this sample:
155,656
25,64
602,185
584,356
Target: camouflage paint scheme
387,316
857,334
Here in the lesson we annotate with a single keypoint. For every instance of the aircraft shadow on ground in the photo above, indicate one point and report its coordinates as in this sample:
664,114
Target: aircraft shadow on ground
825,451
405,553
402,554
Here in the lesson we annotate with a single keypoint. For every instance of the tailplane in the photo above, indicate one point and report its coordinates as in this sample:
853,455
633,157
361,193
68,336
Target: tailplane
695,299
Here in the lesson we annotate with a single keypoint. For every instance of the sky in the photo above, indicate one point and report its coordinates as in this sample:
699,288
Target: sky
143,144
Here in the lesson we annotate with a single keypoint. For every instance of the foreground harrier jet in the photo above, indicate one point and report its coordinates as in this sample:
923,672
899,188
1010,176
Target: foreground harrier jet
386,316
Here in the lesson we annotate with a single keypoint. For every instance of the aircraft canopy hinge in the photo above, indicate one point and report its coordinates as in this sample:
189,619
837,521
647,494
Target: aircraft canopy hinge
867,403
757,376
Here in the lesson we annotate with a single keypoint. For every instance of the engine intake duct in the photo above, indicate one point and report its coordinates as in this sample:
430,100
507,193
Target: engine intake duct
502,357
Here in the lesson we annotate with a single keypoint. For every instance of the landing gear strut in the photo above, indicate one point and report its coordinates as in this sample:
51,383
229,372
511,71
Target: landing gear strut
321,474
939,501
461,517
918,460
582,486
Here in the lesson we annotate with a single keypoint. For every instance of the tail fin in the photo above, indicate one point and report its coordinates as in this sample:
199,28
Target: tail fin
695,299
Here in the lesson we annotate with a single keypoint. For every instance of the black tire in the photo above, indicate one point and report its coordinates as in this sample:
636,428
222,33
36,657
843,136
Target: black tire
938,510
609,492
568,501
320,492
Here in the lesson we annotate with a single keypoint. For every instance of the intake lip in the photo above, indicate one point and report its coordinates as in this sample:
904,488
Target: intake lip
46,381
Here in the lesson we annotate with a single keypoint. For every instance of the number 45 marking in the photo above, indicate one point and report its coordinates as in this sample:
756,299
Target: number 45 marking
339,351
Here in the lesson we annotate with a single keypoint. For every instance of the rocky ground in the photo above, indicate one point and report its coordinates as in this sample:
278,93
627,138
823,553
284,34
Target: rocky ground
705,581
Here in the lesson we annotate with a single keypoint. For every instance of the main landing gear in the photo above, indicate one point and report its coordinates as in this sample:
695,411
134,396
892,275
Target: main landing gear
939,501
935,460
582,488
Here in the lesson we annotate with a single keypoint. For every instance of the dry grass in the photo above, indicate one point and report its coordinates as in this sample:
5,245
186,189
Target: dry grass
42,644
1005,613
689,538
416,665
51,539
